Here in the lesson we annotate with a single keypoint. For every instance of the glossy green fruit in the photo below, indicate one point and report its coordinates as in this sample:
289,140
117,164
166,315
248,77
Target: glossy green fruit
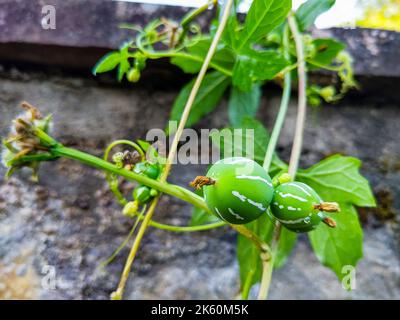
142,194
148,169
242,190
133,75
293,205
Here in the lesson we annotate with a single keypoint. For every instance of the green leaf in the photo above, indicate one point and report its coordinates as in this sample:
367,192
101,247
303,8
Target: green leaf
340,246
230,35
268,63
191,60
252,66
243,104
263,17
326,51
123,68
310,10
337,178
287,240
210,93
242,73
201,217
107,63
242,140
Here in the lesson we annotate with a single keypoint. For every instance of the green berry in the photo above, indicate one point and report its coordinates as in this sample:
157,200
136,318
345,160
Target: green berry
328,93
142,194
242,190
118,159
153,192
282,178
130,209
293,205
133,75
150,170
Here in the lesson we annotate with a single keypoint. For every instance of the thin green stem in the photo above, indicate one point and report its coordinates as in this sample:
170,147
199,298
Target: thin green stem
280,119
58,150
172,228
188,19
111,179
268,265
125,242
196,12
127,142
302,100
173,190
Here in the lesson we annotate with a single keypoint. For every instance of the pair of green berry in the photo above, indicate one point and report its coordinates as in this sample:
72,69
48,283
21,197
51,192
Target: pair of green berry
238,191
142,194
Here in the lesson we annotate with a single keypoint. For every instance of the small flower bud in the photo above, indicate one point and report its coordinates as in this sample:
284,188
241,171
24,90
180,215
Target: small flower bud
282,178
153,192
118,159
130,209
133,75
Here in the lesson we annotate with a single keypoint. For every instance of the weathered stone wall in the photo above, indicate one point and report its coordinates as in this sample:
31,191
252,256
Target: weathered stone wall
70,221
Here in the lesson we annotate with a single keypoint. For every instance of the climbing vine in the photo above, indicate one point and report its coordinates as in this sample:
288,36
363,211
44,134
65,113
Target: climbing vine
275,200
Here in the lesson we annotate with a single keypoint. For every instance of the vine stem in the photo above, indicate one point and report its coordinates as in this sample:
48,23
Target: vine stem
302,102
268,265
172,153
280,119
57,150
172,228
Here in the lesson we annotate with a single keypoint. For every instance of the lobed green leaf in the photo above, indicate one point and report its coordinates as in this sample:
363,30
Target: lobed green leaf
337,178
263,17
341,246
326,51
309,11
253,66
107,63
210,93
243,104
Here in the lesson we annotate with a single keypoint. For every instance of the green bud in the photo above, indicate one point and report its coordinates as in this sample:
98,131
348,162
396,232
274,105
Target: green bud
282,178
153,192
130,209
328,93
133,75
118,159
